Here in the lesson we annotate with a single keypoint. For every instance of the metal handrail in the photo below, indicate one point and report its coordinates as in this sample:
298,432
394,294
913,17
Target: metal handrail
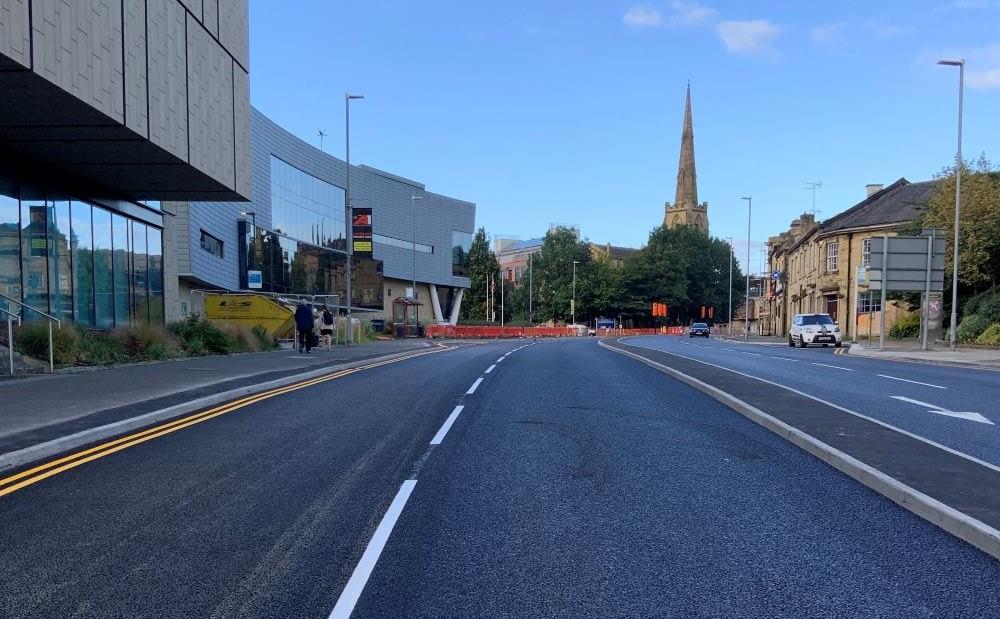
33,309
49,317
10,335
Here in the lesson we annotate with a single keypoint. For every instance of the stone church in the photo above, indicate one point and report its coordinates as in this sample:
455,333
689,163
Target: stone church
686,211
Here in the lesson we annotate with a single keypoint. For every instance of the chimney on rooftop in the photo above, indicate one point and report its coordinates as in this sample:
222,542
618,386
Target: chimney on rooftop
872,188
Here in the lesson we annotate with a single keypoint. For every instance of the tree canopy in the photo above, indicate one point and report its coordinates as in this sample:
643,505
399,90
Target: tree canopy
682,267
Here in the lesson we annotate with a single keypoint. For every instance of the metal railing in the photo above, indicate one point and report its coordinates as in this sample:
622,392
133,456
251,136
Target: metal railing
11,316
49,317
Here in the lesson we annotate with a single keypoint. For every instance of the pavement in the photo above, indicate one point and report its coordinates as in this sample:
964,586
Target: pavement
516,479
45,407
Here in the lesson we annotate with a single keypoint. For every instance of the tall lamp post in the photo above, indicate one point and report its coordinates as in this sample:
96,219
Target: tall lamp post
572,306
746,307
729,325
349,212
952,338
531,313
413,238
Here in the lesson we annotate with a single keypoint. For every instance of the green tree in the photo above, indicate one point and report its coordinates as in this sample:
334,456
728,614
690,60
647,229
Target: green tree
979,227
482,264
553,276
684,268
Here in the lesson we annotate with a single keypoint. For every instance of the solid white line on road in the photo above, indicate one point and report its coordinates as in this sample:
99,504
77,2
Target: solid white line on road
352,591
474,386
915,382
446,425
934,408
490,369
836,367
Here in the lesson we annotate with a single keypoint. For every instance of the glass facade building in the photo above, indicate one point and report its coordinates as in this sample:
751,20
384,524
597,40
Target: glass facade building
305,251
81,261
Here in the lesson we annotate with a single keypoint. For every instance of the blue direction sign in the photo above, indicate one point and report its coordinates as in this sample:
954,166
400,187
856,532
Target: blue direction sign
775,275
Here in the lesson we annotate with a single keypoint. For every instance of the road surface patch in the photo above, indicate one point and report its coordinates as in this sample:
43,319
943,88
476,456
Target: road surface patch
23,479
359,578
915,382
955,491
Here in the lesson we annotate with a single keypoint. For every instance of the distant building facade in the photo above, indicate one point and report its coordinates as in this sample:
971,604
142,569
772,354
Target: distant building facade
818,263
293,232
686,210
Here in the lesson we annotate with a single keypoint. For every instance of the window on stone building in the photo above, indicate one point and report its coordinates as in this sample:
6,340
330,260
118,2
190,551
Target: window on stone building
869,302
866,253
832,250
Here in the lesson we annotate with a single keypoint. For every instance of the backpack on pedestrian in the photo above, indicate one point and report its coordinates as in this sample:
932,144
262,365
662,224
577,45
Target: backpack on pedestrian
327,317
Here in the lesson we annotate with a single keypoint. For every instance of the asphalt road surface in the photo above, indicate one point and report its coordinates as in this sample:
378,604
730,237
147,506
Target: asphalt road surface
497,480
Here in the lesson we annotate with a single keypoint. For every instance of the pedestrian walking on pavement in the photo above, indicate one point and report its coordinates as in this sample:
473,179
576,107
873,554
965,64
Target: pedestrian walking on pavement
304,326
326,328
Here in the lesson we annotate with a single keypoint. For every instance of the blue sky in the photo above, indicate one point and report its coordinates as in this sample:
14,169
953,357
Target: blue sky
570,111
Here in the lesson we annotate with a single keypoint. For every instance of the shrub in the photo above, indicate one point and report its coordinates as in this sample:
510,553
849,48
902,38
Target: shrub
198,334
240,338
971,327
97,348
146,342
907,326
991,336
264,341
32,339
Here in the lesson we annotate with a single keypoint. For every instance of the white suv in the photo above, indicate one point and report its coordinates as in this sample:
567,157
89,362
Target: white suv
814,329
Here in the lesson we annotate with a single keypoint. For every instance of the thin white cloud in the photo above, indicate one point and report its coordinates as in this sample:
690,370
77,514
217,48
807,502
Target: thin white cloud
988,79
642,16
982,64
827,34
689,14
888,31
682,14
754,37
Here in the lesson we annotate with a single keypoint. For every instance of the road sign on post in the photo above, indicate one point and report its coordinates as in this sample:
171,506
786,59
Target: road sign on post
907,264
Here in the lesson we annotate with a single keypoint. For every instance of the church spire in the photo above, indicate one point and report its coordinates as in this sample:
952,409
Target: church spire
687,181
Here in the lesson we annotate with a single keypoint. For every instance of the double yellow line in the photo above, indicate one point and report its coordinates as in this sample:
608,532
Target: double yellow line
44,471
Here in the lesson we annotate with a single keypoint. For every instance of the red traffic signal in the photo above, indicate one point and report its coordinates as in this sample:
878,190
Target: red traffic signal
711,312
703,311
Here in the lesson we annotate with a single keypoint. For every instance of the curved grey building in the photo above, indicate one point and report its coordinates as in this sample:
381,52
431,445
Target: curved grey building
293,233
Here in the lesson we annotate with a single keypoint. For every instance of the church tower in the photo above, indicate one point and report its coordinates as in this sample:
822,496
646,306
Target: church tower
685,211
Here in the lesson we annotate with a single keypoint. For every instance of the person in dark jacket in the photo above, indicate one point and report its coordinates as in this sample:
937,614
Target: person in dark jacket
304,326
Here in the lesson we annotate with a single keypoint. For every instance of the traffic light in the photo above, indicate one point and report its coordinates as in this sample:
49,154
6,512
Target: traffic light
702,312
711,312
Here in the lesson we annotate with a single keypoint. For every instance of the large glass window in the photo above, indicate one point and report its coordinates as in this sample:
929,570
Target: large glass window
60,265
82,250
461,245
140,272
394,242
154,251
306,208
34,254
104,295
10,252
290,267
120,264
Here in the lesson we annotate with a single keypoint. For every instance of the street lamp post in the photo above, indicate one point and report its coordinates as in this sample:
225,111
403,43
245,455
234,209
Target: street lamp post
746,307
952,338
349,212
253,218
572,306
413,238
531,313
729,325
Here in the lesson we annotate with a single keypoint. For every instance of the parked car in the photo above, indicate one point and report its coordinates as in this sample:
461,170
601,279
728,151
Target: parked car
814,329
699,329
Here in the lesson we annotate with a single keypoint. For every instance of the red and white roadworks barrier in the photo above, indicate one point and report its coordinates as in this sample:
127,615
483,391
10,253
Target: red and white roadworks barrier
471,332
